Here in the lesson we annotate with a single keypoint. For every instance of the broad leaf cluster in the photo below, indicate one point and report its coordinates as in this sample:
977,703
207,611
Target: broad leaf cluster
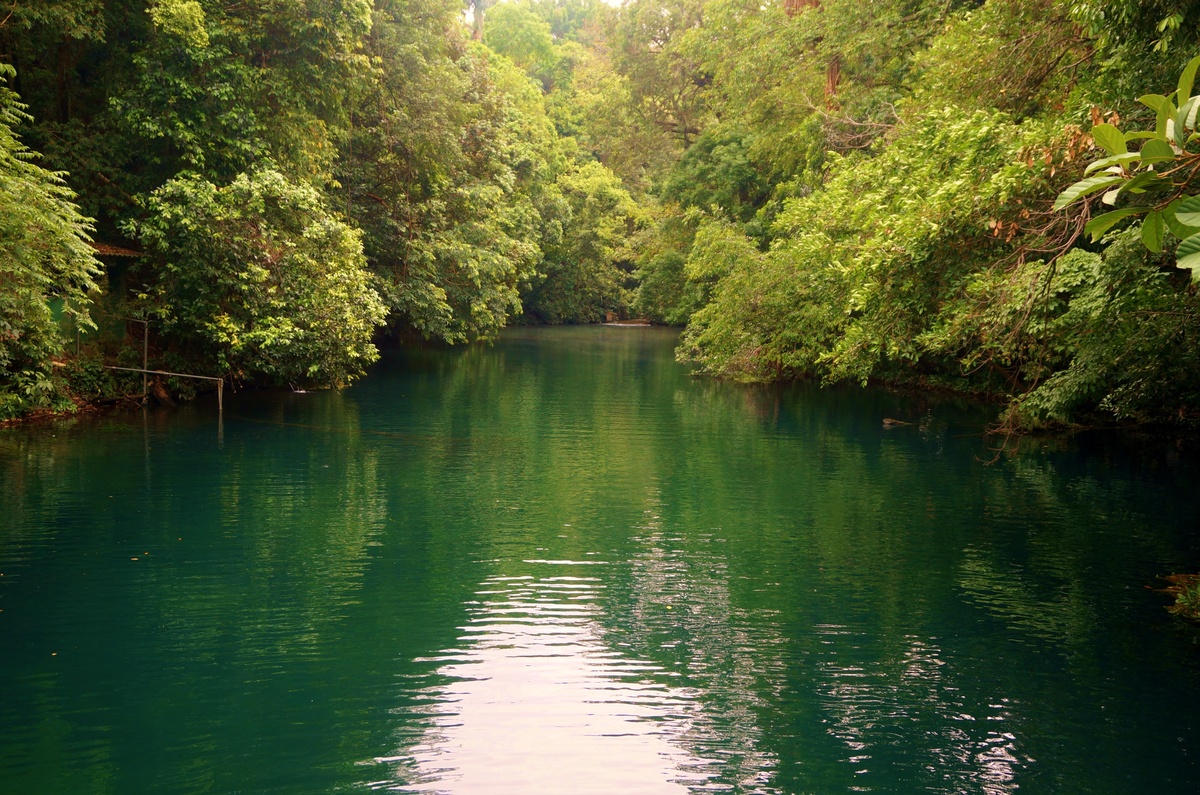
1156,182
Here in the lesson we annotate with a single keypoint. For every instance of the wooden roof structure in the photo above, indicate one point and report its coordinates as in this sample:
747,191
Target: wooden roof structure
106,250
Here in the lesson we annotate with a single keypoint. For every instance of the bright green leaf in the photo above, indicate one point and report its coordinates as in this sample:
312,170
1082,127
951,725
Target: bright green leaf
1187,78
1115,160
1102,223
1084,187
1153,101
1162,124
1177,227
1147,180
1152,232
1110,138
1187,256
1188,212
1157,151
1189,247
1181,117
1163,107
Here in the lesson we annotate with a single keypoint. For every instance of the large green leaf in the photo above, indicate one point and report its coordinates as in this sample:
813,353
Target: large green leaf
1156,151
1187,78
1187,256
1143,182
1110,138
1188,212
1084,187
1163,107
1179,120
1115,160
1102,223
1177,227
1153,101
1152,232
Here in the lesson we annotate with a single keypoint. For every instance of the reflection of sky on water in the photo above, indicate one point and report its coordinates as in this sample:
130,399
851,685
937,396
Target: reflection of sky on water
544,694
876,711
907,706
679,603
534,701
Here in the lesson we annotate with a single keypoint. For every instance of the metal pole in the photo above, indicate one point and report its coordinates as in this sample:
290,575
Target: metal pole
145,353
162,372
220,381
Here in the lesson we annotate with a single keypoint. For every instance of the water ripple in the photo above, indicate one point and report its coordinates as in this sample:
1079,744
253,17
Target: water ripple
545,706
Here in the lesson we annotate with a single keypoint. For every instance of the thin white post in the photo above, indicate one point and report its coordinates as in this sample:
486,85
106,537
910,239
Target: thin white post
145,353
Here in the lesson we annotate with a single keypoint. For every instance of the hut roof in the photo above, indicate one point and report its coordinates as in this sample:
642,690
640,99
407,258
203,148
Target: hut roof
105,250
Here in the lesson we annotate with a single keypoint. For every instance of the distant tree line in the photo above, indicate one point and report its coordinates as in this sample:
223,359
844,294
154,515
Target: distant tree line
812,188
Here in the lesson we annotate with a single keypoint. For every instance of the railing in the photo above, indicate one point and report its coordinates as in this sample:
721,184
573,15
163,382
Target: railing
144,372
145,359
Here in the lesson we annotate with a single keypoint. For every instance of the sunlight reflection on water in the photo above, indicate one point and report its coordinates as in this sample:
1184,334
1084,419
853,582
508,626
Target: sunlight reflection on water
534,701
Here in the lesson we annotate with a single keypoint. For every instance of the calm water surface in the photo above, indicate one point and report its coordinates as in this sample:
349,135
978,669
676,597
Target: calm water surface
560,565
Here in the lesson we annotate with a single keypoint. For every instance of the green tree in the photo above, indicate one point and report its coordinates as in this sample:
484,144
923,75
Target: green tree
569,20
668,83
258,278
44,260
664,292
448,147
609,123
717,171
585,270
515,31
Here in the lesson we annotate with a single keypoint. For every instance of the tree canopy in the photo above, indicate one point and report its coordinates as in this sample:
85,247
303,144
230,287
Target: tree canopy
812,188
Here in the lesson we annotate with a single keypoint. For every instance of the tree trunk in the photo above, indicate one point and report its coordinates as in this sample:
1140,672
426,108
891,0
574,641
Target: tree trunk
794,7
161,394
478,7
832,77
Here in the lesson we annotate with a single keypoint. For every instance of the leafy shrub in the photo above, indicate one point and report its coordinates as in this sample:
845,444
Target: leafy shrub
861,270
88,379
583,277
44,257
258,277
1132,341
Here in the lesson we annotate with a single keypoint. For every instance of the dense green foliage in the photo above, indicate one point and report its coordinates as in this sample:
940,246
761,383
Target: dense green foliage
299,174
871,197
44,259
814,188
583,274
1155,180
257,276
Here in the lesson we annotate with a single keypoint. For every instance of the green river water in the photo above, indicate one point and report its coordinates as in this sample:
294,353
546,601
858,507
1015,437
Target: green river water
560,564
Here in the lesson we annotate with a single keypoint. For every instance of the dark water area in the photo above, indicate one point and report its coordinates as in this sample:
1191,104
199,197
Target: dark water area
560,564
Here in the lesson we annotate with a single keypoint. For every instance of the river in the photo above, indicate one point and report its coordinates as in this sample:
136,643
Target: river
562,564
